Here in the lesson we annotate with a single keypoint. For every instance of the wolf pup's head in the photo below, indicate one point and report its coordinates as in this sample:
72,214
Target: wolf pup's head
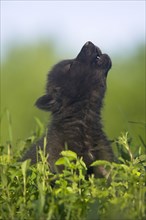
77,81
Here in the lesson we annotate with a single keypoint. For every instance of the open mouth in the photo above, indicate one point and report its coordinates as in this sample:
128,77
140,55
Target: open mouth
98,58
102,60
92,54
98,53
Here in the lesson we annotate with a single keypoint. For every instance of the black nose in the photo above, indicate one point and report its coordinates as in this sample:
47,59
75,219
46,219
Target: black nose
88,43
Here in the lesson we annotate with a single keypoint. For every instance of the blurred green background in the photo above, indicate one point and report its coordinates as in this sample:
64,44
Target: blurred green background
23,79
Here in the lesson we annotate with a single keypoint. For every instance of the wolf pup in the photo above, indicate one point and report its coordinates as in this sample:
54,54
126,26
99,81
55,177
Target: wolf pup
74,94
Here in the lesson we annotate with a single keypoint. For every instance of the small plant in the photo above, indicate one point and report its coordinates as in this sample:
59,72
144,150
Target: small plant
34,192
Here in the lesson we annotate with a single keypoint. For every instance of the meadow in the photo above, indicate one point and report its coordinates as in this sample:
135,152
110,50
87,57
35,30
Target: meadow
33,192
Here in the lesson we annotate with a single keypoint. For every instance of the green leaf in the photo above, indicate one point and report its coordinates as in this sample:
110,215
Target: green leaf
24,166
61,161
142,157
100,162
70,154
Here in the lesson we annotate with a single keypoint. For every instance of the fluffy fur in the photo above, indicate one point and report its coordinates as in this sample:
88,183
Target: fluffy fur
74,95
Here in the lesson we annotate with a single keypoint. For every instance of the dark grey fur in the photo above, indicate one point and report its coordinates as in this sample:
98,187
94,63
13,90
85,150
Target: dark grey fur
74,94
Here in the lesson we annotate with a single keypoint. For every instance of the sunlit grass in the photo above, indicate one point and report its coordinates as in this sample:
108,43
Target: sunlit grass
34,192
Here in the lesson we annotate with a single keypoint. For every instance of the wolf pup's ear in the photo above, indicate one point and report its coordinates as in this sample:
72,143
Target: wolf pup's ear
45,102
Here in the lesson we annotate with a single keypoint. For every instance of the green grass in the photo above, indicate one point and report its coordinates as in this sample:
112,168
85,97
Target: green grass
33,192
